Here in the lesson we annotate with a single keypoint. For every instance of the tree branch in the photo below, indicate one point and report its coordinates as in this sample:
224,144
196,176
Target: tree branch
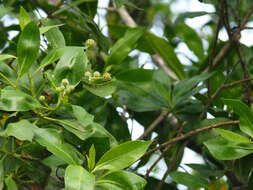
154,124
194,132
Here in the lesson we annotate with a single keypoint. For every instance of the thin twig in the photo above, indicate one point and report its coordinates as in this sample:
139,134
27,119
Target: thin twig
190,134
154,124
223,52
156,162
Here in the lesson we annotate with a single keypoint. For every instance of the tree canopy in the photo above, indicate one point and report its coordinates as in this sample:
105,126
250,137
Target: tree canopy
73,92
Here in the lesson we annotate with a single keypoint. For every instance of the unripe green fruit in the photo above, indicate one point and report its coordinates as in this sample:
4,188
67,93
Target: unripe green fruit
42,98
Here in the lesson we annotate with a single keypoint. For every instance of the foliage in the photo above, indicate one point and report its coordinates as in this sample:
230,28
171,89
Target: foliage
68,93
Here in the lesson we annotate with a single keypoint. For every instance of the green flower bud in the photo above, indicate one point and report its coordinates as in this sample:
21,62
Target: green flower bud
42,98
87,74
107,76
96,74
90,43
65,82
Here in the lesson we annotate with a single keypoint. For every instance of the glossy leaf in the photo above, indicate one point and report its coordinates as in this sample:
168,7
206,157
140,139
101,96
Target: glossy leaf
45,29
28,47
54,36
124,46
183,89
136,75
56,54
231,136
122,180
84,131
6,56
91,157
77,178
22,130
24,18
102,90
191,38
189,180
223,149
82,115
15,100
123,155
71,66
245,115
54,143
186,15
10,183
53,161
166,51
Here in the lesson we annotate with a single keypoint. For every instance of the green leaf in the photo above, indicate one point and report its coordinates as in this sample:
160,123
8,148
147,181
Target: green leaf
45,29
223,149
124,46
15,100
10,183
77,178
122,180
101,90
4,10
71,65
140,97
92,157
189,180
54,36
246,117
231,136
22,130
123,155
185,15
166,51
82,115
56,54
54,143
53,161
28,47
1,174
192,39
82,128
183,87
6,56
136,75
24,18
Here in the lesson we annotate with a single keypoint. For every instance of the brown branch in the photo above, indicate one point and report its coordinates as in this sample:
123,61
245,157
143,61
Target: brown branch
156,162
154,124
236,36
194,132
246,75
